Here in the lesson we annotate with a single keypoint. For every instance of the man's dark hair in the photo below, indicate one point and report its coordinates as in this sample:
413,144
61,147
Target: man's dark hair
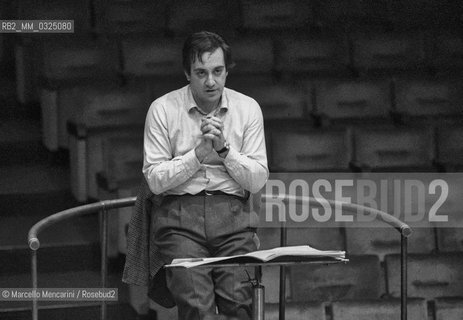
200,42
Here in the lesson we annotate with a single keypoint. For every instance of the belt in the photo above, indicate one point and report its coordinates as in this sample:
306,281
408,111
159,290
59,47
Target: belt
221,193
212,193
206,193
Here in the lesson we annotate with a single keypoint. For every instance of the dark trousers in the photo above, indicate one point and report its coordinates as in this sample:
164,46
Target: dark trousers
206,226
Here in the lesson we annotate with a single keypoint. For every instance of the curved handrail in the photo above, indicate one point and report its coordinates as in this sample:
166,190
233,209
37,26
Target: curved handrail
103,206
402,227
34,242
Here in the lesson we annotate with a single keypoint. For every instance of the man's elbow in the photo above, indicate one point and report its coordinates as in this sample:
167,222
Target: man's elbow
154,182
259,180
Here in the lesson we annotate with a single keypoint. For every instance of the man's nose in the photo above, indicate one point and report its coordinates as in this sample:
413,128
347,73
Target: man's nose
210,81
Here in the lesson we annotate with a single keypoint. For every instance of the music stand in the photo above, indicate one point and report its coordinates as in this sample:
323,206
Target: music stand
258,290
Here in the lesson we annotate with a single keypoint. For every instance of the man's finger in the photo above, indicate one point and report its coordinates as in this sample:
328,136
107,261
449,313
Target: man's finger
209,136
214,121
214,132
211,129
205,125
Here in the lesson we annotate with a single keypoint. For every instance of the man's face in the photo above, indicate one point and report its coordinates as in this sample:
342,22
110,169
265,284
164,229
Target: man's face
207,79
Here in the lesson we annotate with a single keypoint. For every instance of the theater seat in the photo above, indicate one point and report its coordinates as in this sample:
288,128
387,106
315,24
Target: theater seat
320,238
66,64
117,18
432,99
277,101
109,106
362,100
274,15
312,56
388,53
252,55
357,279
185,17
79,11
77,59
429,276
384,148
310,150
122,160
423,14
153,63
383,241
350,15
445,53
449,145
151,56
102,113
296,311
378,309
271,282
450,238
120,177
448,308
450,231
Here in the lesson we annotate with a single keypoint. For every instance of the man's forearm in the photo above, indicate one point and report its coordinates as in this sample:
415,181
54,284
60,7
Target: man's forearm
169,174
249,173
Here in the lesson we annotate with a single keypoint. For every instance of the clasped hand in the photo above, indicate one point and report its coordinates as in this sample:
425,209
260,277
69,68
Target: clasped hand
212,137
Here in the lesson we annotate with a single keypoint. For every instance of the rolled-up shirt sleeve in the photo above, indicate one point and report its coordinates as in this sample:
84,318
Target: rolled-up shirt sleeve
248,166
161,170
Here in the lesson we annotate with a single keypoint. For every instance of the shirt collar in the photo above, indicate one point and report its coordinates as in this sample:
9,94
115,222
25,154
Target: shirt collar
191,104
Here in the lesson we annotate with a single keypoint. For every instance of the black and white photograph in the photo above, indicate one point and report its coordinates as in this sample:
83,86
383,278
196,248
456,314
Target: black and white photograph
231,159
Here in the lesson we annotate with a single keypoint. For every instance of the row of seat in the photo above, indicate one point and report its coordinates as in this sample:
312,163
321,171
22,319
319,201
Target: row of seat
70,57
332,100
51,61
366,309
366,288
116,172
430,276
154,65
362,309
116,17
378,240
366,148
289,148
353,309
326,102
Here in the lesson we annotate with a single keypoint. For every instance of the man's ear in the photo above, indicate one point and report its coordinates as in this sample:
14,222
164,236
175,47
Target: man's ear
187,76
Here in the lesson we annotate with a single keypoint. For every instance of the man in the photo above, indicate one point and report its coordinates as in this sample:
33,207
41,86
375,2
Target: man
204,152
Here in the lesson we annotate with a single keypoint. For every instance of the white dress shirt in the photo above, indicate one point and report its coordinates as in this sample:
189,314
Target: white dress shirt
172,131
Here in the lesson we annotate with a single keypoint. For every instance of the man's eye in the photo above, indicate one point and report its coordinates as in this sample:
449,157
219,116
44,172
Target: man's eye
200,73
219,71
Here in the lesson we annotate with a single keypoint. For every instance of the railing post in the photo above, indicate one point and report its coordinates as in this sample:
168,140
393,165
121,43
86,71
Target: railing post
104,258
403,277
35,311
282,305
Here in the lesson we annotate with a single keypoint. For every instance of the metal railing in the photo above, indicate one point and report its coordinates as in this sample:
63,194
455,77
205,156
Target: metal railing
104,206
404,230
